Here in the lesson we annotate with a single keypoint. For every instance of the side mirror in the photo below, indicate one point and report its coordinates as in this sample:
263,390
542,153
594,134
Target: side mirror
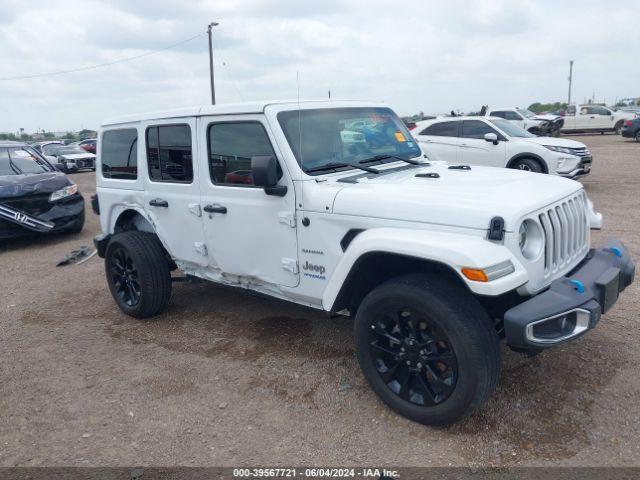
264,170
491,137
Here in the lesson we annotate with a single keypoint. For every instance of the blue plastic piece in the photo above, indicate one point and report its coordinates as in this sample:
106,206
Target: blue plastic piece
616,251
578,285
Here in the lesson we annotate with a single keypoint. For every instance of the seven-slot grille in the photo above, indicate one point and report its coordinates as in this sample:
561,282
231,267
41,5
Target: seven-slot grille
566,232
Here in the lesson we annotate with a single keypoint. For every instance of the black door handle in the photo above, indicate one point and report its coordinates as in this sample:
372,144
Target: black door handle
215,209
158,202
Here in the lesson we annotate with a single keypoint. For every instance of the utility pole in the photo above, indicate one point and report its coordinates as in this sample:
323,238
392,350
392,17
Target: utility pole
210,33
570,80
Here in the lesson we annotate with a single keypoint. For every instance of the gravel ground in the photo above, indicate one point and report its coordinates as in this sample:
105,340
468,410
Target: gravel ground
228,378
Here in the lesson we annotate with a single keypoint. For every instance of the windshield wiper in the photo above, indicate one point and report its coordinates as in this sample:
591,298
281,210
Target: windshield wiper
334,165
385,157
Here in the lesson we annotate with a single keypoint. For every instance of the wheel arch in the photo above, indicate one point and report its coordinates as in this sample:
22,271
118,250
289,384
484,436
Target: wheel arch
127,218
532,156
376,267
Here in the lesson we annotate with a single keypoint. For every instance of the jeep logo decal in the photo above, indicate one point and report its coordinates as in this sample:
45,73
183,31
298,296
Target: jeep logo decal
319,269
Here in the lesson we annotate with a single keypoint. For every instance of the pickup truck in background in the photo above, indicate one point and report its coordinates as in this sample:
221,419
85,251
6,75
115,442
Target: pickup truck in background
541,125
594,118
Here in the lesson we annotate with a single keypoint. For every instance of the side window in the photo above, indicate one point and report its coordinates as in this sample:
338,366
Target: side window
442,129
120,154
476,129
230,148
510,115
498,113
169,153
571,110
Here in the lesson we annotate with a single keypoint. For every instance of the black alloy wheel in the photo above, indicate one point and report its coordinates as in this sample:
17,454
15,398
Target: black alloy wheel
414,357
124,276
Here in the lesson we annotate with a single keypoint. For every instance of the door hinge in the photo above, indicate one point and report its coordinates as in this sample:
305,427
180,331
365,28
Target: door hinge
290,264
201,248
287,218
195,209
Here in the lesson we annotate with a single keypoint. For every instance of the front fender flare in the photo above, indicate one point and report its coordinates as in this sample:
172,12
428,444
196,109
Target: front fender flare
452,249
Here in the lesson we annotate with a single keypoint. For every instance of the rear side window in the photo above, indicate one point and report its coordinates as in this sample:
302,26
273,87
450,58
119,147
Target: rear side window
231,146
120,154
169,153
476,129
442,129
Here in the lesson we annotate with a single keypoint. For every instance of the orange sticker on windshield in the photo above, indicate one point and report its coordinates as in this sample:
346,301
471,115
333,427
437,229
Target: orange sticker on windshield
400,137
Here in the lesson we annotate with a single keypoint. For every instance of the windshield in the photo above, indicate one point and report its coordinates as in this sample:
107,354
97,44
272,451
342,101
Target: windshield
511,129
18,160
346,135
525,112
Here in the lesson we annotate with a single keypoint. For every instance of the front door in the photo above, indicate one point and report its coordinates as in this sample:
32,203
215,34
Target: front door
248,233
478,151
172,190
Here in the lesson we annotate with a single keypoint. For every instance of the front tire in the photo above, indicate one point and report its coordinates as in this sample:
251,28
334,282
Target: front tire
138,273
527,165
427,348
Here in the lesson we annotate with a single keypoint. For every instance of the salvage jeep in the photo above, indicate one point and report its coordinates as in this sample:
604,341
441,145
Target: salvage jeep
334,206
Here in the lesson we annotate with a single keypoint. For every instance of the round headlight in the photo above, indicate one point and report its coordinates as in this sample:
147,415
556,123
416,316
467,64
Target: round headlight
522,235
530,239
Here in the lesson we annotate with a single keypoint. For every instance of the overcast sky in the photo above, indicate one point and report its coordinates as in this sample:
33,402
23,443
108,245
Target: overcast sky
429,56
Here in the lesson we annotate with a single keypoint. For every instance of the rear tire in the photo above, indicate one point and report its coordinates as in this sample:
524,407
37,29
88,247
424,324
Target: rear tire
445,360
527,165
618,128
137,273
637,137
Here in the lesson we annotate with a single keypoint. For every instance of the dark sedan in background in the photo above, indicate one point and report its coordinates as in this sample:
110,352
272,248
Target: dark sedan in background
631,129
34,196
69,158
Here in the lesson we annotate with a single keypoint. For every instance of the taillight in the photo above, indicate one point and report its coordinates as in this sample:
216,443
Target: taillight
628,123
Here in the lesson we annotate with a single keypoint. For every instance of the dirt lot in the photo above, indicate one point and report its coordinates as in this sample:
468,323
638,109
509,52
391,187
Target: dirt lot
229,378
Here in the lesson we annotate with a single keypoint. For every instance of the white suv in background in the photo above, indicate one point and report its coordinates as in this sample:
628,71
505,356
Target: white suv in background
544,125
594,118
497,142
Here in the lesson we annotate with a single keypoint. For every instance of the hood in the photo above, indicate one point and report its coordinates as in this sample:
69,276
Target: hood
546,117
12,186
460,198
556,142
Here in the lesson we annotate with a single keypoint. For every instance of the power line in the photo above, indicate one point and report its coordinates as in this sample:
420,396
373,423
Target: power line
102,65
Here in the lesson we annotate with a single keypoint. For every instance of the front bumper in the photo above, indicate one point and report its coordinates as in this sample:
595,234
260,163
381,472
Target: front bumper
573,304
583,168
59,216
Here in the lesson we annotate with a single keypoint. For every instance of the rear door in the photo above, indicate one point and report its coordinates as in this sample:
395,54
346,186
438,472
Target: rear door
249,233
172,189
475,150
440,141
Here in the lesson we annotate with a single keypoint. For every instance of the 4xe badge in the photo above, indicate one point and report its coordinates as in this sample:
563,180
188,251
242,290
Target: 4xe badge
314,271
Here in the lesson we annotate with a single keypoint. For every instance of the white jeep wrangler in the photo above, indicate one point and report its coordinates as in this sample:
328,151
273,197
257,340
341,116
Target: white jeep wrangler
435,262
